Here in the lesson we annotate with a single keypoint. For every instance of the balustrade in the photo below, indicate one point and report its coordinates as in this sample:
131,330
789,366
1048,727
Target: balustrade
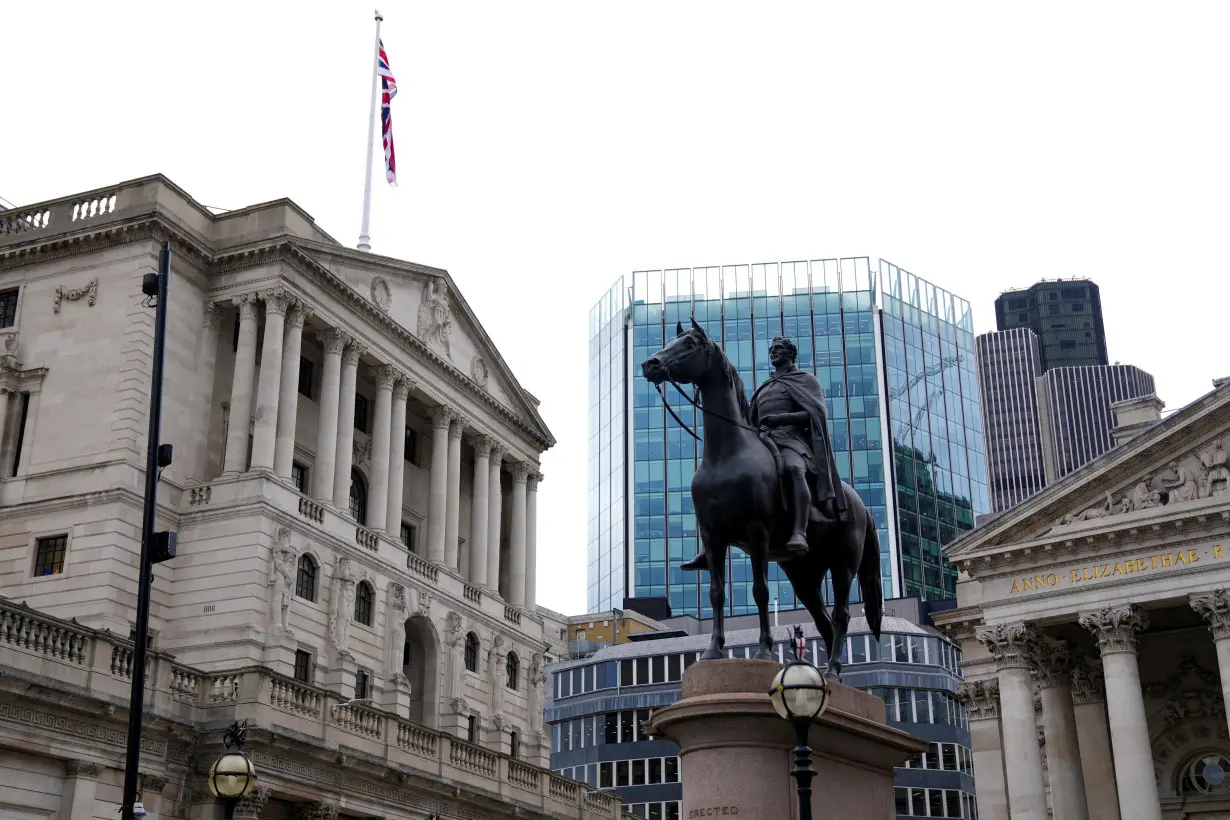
417,739
563,789
512,615
524,776
185,684
294,697
422,567
360,720
473,594
311,510
472,758
23,629
366,538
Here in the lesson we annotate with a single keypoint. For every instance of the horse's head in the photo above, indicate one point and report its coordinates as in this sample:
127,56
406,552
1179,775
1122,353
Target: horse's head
685,359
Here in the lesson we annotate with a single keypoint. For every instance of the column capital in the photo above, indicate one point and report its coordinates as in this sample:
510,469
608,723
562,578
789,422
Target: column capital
1214,607
318,811
441,416
213,315
353,351
252,805
384,376
1116,627
299,313
981,698
1088,683
458,426
1051,665
498,451
84,769
521,472
1011,645
245,303
482,445
277,300
152,784
333,340
402,387
533,481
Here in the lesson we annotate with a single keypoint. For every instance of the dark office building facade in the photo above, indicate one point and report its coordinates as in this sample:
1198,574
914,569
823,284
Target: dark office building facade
598,706
1065,315
1076,405
895,356
1009,364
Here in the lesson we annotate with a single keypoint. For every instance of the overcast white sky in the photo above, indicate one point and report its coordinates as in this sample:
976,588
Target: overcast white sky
547,148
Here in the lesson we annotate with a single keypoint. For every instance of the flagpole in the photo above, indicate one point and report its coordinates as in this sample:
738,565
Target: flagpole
365,240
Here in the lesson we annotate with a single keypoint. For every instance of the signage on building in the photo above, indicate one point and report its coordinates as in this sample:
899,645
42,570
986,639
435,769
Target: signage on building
1120,567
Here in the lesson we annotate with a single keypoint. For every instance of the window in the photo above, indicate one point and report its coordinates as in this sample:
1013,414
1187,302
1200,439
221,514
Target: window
305,579
362,685
1052,308
299,477
8,308
472,728
512,745
1067,344
471,652
510,668
358,497
307,372
364,600
360,413
408,534
1022,317
303,666
412,446
1078,308
49,555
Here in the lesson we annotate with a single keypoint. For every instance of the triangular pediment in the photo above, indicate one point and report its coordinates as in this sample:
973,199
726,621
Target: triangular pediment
1178,465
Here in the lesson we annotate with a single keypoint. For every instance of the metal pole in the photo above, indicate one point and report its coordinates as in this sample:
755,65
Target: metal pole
365,240
136,705
803,771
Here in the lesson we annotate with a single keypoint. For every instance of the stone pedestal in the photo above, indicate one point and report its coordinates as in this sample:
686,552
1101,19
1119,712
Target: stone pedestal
396,696
736,751
279,654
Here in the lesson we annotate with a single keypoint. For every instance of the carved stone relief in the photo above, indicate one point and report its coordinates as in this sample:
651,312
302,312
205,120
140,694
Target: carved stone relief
341,605
435,320
281,580
88,291
362,451
381,295
478,371
981,698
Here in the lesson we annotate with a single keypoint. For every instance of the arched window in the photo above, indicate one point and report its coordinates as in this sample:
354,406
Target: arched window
305,579
511,668
364,603
1205,774
472,652
358,497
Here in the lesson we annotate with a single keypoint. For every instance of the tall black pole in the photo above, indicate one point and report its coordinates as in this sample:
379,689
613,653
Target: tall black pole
136,706
803,771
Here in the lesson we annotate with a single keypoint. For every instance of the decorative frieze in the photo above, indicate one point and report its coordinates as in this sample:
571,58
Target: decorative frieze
88,291
1011,645
1116,627
84,769
1214,607
981,698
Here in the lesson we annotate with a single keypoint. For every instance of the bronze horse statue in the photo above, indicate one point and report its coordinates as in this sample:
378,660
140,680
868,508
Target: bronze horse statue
736,493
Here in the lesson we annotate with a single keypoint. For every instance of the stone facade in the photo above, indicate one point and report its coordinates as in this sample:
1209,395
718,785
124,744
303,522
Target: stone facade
1095,623
355,509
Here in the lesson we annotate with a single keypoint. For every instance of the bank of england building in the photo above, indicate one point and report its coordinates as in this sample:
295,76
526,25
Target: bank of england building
354,488
1095,623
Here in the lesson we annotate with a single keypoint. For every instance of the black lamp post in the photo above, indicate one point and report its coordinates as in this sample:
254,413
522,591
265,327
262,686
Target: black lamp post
800,694
232,777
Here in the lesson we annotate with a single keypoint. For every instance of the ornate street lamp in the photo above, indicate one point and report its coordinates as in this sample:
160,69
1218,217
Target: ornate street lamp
232,777
800,694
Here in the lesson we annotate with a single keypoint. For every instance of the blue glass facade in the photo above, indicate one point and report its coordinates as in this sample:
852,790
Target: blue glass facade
895,356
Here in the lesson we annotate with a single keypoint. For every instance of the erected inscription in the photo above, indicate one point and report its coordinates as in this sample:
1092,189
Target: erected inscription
1059,579
713,811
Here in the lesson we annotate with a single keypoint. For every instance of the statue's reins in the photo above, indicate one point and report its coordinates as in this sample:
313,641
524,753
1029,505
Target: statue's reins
761,434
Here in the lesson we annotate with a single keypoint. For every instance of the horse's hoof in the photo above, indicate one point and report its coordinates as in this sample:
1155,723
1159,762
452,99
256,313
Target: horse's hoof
712,654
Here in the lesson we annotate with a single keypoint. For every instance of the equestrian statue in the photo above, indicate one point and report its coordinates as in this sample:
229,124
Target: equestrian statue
768,484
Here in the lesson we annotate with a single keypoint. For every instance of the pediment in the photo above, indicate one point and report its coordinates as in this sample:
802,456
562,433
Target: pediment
1181,463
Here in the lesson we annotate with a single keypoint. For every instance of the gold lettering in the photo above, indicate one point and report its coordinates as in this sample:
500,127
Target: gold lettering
1167,561
1089,577
1217,551
1029,584
1076,577
1016,586
1180,558
1119,569
1193,556
1042,582
1052,580
1153,558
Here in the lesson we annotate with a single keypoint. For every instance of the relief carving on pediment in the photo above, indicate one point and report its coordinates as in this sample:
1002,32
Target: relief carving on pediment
1200,474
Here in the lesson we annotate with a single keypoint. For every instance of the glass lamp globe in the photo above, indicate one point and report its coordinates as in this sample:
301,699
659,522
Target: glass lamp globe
799,692
232,776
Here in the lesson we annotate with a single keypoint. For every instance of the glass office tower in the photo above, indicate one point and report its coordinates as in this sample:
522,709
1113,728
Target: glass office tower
895,356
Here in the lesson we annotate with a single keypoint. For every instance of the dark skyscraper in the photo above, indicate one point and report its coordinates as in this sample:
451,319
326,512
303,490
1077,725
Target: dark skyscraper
1008,372
1065,315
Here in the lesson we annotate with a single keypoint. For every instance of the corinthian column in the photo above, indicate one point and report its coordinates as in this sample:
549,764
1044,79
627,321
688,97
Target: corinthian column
516,532
1093,736
1059,727
981,699
531,541
479,510
334,342
378,498
452,506
1013,647
1214,607
241,388
264,435
288,401
345,426
397,458
495,509
437,498
1115,628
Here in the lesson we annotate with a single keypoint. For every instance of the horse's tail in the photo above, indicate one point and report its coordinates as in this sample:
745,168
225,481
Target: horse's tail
869,579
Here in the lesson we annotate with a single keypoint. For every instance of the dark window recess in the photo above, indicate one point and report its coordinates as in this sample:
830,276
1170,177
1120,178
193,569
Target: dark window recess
1072,293
299,477
21,433
512,745
1016,304
1052,308
235,337
625,672
8,308
511,671
1023,317
471,652
360,413
305,579
408,534
358,498
303,666
405,654
1078,308
1053,296
472,729
611,729
412,446
362,685
364,603
307,373
1067,344
49,555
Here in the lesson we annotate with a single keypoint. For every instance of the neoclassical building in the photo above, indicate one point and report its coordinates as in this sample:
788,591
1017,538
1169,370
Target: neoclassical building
1095,623
354,490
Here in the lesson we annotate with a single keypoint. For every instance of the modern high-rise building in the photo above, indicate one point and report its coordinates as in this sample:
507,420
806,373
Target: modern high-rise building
1065,315
895,356
1076,404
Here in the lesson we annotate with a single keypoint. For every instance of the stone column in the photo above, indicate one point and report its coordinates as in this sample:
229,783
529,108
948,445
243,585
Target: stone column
1013,647
1059,727
378,493
516,540
344,457
479,510
437,498
151,795
80,786
1115,628
981,699
5,391
397,456
452,505
495,509
288,401
531,541
269,382
241,388
1093,736
333,341
1214,607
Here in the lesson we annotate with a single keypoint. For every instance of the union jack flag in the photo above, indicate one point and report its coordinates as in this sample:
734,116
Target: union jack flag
388,90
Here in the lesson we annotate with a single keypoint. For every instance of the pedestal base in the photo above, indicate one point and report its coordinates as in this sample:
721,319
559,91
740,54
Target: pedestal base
736,751
279,654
